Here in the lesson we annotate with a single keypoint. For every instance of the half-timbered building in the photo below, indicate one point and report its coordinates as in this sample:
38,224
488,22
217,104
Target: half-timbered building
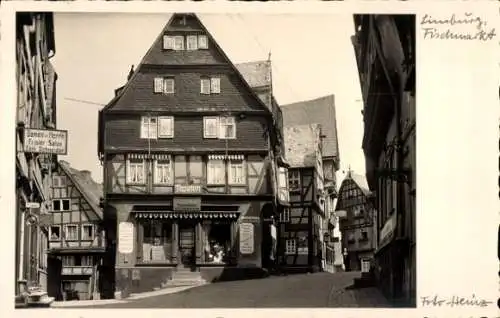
356,211
76,235
190,156
322,111
301,230
35,112
385,54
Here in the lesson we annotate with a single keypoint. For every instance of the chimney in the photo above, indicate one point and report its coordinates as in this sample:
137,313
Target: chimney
130,73
86,174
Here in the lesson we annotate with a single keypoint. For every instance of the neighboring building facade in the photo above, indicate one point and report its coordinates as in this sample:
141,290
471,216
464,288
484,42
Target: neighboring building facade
190,154
385,51
76,235
322,111
357,222
301,229
36,111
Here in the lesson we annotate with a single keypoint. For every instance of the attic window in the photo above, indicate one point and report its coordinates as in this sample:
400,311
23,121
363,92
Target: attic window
210,85
188,42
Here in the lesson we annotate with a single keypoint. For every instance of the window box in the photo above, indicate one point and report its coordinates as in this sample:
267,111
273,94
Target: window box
294,183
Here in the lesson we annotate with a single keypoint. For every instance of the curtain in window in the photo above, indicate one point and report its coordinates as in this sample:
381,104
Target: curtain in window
216,172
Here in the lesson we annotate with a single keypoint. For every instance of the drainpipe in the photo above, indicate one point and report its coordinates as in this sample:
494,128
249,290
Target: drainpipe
21,246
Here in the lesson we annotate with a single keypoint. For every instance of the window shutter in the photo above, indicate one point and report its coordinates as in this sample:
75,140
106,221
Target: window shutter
192,42
158,85
168,42
215,85
202,42
169,86
165,127
205,86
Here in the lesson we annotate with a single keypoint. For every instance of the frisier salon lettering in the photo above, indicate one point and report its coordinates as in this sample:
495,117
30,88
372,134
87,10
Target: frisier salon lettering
187,203
45,141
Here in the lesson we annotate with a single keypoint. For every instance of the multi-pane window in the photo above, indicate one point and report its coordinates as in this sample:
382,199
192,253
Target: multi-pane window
164,85
61,205
210,127
149,127
58,181
71,232
193,42
210,85
227,127
285,215
291,246
166,127
294,180
87,232
237,172
68,260
163,171
87,260
55,233
135,171
216,172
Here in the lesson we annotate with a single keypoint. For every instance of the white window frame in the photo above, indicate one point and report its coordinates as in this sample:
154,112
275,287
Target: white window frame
191,42
285,215
59,183
294,175
66,232
168,79
168,42
149,130
169,134
205,83
215,85
129,172
61,205
158,85
290,246
50,233
169,167
179,44
206,134
225,122
202,42
212,166
234,180
92,236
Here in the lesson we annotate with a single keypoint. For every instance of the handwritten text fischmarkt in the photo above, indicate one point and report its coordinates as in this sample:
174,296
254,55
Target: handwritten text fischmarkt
446,28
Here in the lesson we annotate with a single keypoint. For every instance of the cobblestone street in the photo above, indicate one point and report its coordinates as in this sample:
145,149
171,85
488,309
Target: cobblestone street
316,290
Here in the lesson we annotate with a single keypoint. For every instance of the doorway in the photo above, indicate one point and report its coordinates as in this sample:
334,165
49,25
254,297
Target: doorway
187,243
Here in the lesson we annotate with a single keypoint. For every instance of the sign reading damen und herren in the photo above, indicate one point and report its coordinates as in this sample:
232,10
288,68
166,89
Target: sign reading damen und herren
46,141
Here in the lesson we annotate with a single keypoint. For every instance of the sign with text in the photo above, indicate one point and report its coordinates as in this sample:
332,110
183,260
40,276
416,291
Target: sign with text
246,238
32,205
187,188
388,229
189,204
125,237
46,141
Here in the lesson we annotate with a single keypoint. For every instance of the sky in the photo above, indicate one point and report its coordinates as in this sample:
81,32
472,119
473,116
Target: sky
312,56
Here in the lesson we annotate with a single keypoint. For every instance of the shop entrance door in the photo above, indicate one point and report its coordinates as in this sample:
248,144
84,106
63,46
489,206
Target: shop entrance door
187,243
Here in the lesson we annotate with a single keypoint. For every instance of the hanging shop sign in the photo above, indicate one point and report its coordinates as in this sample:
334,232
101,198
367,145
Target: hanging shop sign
387,231
32,205
187,204
46,141
125,237
246,238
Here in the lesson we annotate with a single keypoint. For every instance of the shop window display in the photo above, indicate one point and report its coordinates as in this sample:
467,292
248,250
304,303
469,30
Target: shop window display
217,242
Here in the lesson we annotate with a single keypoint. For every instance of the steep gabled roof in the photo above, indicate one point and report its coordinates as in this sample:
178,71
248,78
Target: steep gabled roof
88,188
361,182
302,145
150,59
317,111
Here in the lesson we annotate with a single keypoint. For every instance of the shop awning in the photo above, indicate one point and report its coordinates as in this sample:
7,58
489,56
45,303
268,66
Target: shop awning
185,215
